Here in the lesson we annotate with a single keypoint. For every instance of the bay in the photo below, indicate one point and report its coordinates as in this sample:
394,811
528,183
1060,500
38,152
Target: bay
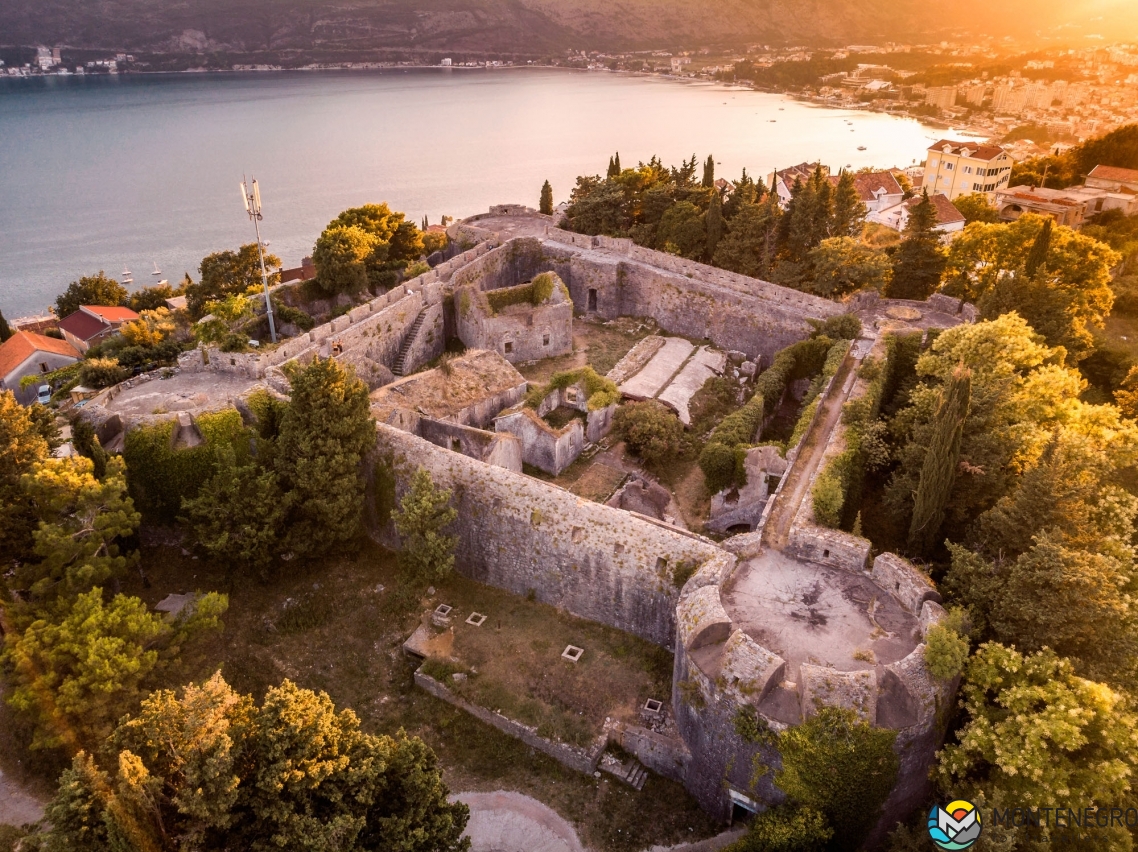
138,171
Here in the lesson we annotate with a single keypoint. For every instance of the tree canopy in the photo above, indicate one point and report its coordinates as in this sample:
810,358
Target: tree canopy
229,273
211,770
90,290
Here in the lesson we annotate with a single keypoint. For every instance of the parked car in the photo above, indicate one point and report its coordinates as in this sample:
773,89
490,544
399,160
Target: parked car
44,396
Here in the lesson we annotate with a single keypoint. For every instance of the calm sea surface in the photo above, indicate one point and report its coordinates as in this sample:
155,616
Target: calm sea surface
137,171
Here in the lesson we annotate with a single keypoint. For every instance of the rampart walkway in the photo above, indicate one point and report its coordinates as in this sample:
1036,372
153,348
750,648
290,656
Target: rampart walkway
776,533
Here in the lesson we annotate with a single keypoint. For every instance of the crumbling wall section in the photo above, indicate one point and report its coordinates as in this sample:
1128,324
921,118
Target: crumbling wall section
495,448
521,534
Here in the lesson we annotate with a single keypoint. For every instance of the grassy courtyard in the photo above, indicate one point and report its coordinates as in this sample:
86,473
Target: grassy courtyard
512,663
337,626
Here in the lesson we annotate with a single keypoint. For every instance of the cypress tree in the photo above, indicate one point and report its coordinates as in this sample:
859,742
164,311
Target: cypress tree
938,473
849,211
919,261
1037,257
709,171
798,225
5,329
823,212
715,224
546,204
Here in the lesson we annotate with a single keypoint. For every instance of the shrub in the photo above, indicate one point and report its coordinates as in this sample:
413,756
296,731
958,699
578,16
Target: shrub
840,327
102,372
600,391
717,461
838,765
650,429
160,477
828,499
947,646
786,828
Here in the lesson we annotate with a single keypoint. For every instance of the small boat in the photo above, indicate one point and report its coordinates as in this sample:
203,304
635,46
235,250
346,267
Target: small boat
861,147
156,271
127,277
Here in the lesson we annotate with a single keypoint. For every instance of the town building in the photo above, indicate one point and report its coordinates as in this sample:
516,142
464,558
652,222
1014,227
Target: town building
26,353
92,323
782,180
1105,188
942,97
949,220
877,190
962,168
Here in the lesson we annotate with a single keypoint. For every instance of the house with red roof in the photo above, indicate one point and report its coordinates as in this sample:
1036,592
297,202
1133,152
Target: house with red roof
949,220
877,190
26,353
92,323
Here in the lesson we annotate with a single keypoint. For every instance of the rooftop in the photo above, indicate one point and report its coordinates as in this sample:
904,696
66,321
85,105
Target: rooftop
975,150
110,313
22,344
946,212
808,613
871,183
82,325
471,377
1114,173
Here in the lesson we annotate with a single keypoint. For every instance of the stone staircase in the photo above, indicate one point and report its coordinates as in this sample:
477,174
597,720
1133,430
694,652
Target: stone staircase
400,365
630,771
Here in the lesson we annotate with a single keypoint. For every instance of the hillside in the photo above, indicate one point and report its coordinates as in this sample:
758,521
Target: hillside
531,26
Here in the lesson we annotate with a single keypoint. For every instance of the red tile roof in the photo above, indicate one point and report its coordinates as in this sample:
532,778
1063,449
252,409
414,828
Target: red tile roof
111,314
977,150
946,212
82,325
869,183
1114,173
17,348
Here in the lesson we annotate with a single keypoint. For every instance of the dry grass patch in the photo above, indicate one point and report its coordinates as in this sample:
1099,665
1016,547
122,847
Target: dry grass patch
513,663
328,626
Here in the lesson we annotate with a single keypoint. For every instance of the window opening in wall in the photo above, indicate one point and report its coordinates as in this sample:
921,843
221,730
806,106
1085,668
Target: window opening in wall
456,445
545,339
825,553
571,394
661,564
509,347
592,304
43,366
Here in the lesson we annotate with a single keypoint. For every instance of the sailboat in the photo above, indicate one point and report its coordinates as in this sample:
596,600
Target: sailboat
156,271
127,276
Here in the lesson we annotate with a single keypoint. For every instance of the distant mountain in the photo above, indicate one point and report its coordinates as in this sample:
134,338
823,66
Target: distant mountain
535,27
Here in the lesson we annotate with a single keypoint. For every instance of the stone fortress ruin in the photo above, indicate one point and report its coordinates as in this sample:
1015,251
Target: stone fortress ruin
783,617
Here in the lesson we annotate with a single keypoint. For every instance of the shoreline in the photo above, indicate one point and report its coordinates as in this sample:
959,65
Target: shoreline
798,97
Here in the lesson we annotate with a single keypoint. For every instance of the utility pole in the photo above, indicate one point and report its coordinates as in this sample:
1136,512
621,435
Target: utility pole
252,201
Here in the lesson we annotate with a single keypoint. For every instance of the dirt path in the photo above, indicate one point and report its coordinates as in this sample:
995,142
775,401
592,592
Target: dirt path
17,806
777,531
510,822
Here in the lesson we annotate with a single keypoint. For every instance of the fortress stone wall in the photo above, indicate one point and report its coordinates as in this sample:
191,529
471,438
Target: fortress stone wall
522,535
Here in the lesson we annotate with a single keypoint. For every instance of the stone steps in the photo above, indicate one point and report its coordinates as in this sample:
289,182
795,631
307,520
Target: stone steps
631,771
409,340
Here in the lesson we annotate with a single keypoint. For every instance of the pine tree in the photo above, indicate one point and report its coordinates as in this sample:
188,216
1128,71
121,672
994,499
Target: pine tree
614,166
325,433
545,205
423,514
920,260
715,224
823,213
5,329
849,211
1037,257
938,473
709,171
800,221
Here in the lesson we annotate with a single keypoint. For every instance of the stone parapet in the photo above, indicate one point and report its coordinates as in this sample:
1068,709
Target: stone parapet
904,581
